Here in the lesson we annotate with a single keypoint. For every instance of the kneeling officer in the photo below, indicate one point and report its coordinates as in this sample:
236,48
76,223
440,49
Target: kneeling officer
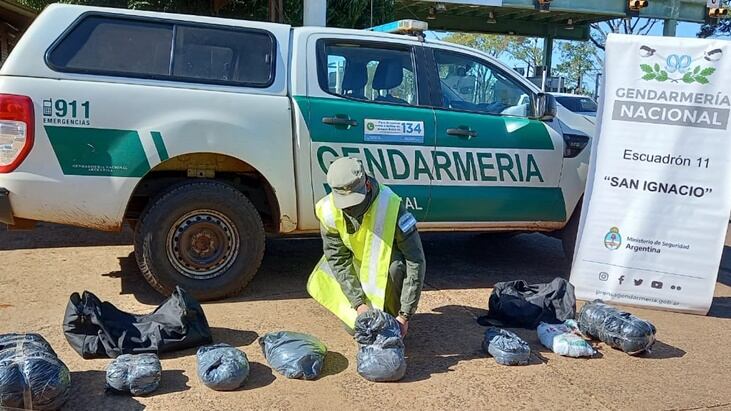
373,252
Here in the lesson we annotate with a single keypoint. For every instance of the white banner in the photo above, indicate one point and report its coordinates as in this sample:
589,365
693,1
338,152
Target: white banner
658,196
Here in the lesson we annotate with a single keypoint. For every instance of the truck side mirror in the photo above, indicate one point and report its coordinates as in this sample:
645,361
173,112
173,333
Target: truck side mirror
545,106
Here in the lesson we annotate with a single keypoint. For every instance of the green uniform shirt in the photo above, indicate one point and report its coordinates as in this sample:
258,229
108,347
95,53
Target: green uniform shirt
406,244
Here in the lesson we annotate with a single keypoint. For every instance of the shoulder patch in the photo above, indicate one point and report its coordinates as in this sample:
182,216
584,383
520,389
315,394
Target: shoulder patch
406,222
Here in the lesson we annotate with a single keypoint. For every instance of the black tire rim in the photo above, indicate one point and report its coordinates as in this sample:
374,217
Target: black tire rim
203,244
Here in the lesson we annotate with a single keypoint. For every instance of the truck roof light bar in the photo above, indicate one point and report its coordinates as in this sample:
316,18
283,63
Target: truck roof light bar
408,27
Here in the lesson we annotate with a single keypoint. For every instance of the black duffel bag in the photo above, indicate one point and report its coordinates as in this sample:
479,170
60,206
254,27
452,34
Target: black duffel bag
98,329
519,304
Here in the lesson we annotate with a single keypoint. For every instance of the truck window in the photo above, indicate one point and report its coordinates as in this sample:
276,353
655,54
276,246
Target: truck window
469,84
228,55
577,104
103,45
129,47
369,73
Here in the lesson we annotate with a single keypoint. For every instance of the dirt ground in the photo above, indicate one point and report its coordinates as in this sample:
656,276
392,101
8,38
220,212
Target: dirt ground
689,368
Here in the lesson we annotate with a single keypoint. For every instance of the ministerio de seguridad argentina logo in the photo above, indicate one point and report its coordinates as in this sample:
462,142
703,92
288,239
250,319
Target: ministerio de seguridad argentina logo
678,68
613,240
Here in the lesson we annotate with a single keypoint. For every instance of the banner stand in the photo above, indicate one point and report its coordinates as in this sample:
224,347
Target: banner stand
658,196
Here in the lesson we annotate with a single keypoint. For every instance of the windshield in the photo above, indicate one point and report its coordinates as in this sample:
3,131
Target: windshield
469,83
455,100
578,104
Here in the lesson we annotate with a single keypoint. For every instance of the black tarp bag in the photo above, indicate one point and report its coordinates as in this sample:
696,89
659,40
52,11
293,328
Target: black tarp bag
98,329
519,304
31,375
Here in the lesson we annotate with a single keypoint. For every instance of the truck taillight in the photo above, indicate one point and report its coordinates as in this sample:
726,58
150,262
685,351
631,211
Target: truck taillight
16,130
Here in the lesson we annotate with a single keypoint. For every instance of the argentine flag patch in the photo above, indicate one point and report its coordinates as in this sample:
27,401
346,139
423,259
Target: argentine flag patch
406,222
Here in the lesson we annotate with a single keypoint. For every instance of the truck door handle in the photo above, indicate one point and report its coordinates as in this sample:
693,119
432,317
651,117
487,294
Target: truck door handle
339,120
462,131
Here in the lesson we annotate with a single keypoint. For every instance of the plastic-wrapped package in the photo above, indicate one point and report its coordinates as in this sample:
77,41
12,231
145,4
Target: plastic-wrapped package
616,328
506,347
136,374
294,355
222,367
31,375
381,354
563,339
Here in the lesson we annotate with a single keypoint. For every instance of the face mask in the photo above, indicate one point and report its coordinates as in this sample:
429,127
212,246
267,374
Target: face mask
360,209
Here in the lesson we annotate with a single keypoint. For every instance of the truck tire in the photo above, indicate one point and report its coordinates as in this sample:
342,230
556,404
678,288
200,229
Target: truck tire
570,232
205,236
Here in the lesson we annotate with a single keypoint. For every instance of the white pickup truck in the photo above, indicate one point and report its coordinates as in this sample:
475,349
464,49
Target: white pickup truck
205,134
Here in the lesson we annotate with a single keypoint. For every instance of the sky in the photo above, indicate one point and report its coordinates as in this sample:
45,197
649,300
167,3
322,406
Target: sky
683,30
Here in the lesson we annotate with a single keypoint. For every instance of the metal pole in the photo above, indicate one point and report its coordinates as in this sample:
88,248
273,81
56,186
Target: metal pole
543,81
671,24
548,55
669,28
315,13
371,13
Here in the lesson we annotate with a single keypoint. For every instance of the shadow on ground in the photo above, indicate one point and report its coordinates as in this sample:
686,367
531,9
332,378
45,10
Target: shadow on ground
335,363
456,261
55,236
236,338
87,391
724,273
260,375
721,307
662,351
441,339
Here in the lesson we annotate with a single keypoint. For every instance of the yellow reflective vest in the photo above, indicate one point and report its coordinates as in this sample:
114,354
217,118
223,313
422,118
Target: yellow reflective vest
371,247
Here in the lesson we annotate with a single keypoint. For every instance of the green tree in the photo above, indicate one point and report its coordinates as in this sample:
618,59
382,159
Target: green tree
528,50
635,25
578,58
721,28
341,13
357,13
494,45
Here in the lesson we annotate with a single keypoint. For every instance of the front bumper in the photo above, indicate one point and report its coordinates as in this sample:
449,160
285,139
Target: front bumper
6,212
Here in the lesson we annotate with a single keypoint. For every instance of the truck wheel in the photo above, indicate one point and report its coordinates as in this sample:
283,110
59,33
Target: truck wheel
569,233
205,236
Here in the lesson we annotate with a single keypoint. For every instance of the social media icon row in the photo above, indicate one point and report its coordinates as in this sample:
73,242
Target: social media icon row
658,285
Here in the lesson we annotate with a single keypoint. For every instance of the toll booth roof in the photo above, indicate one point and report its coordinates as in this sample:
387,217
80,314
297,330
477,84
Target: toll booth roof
565,19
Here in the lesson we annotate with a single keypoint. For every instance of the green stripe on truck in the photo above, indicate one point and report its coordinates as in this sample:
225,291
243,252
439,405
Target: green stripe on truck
496,204
493,131
85,151
160,145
